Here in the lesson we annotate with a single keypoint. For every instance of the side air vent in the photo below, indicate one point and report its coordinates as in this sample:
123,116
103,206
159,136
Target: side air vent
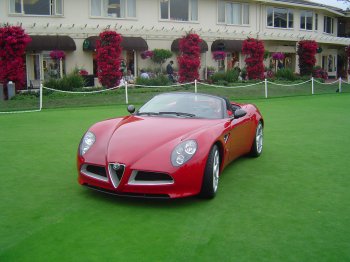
150,178
97,172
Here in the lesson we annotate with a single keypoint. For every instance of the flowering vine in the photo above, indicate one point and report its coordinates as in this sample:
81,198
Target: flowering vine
189,59
147,54
57,54
13,41
307,50
278,56
219,55
254,50
108,58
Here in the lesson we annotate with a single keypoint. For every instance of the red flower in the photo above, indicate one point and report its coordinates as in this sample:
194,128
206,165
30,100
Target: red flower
108,58
189,60
57,54
219,55
13,41
307,50
254,51
146,54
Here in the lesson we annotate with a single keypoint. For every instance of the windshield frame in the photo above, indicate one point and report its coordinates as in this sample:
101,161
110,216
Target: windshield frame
184,105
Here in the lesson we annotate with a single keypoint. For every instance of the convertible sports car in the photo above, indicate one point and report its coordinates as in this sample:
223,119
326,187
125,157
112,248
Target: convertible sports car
176,145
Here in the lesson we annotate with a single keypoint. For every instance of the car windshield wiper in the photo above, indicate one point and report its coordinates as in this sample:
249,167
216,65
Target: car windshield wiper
147,113
177,114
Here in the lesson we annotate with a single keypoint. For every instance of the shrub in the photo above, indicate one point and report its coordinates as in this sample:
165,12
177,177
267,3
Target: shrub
307,50
189,59
318,72
67,83
229,77
232,75
108,58
160,80
286,74
13,41
254,50
218,76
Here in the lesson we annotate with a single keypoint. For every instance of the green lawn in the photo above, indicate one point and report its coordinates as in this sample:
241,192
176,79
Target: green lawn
291,204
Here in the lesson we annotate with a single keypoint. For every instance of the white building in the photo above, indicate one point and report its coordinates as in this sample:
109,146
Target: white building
73,26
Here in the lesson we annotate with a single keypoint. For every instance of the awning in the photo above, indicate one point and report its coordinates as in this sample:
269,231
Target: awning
128,43
175,46
51,42
227,45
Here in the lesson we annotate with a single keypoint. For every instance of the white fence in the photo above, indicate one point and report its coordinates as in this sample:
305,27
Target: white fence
267,86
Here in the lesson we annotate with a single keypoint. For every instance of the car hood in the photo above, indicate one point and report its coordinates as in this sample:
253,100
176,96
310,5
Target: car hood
135,137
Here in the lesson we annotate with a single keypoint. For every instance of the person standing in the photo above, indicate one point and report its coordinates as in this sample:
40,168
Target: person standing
170,71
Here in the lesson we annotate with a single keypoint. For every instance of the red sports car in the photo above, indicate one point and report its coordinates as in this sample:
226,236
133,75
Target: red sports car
176,145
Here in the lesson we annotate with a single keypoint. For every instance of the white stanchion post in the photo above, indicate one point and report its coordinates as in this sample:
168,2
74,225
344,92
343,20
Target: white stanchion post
265,88
195,85
126,93
312,86
41,96
340,84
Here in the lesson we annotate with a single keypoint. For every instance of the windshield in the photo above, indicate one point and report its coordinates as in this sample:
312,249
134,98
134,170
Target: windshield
187,105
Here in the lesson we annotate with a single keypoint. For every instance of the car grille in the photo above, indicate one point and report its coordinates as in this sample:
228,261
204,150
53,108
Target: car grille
97,172
150,178
116,172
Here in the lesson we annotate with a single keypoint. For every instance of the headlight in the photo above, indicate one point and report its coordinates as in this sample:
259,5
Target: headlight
87,141
183,152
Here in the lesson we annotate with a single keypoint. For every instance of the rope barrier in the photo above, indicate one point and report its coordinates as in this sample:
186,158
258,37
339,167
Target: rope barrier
232,87
80,92
327,83
16,112
272,83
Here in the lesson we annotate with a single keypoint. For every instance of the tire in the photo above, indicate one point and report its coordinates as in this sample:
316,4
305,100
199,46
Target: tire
257,145
211,174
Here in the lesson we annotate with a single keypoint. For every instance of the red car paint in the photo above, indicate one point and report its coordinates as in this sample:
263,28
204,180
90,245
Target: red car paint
145,143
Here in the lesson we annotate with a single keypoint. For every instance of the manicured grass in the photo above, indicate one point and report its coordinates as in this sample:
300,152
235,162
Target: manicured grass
291,204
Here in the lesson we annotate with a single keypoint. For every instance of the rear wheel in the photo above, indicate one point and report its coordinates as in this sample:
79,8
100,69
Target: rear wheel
257,146
211,174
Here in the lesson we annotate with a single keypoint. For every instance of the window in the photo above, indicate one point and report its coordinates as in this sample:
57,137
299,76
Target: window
316,22
233,13
328,63
38,7
328,25
179,10
279,17
306,19
113,8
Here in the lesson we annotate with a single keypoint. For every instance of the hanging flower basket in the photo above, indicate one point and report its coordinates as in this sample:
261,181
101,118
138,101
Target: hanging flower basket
278,56
146,54
57,54
219,55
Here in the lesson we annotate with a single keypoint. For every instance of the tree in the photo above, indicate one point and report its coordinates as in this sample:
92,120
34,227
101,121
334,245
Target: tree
108,58
13,42
160,56
189,59
254,50
307,50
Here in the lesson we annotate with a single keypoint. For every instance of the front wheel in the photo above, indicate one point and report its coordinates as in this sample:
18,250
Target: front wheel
211,174
257,146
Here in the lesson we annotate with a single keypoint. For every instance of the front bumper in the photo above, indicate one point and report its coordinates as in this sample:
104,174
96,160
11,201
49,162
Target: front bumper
120,179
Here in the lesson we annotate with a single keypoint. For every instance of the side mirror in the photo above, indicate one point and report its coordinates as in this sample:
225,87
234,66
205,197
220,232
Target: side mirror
239,113
131,109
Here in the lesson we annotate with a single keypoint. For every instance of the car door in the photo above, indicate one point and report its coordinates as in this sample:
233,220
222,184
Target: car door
239,136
